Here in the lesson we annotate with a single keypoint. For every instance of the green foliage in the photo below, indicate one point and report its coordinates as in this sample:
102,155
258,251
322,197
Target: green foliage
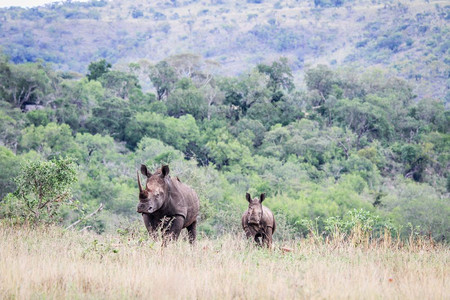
419,205
119,84
320,79
163,78
9,164
97,69
315,202
346,142
187,99
366,118
280,74
76,101
224,150
51,140
392,42
111,116
359,223
39,117
177,132
11,123
153,152
42,188
25,83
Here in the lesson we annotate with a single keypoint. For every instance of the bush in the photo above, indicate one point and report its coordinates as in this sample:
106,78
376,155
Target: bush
391,42
419,205
42,188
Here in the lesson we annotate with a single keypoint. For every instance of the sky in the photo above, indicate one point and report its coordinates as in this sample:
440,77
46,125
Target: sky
26,3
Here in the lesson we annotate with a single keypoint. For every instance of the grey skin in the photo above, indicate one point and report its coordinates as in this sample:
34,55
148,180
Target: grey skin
168,204
258,221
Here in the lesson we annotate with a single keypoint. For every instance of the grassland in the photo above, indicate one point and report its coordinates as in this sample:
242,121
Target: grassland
50,263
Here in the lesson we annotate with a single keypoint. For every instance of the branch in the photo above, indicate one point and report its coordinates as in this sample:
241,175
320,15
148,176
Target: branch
85,228
340,143
57,199
87,217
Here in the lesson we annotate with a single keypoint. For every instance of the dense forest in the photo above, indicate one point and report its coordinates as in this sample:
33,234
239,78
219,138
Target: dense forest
330,143
349,146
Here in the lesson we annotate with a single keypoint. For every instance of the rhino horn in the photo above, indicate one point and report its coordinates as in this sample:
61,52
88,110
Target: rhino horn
139,181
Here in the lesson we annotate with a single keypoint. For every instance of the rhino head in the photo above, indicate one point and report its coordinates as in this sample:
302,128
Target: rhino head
153,196
255,209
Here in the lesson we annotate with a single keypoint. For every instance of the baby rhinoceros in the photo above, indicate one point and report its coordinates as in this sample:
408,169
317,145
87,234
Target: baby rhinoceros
258,221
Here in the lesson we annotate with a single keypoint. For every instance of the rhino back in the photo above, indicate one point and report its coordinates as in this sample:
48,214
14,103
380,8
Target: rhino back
183,201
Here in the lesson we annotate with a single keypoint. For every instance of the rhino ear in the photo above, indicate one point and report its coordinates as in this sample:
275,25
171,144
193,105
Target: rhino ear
165,170
145,171
248,197
262,197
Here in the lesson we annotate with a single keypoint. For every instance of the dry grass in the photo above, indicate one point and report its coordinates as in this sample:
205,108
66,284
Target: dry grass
51,263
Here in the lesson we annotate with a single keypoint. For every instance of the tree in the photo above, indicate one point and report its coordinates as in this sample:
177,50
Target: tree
9,164
177,132
97,69
368,119
292,107
280,75
187,99
320,79
254,130
267,113
187,65
42,188
111,116
50,141
11,123
119,84
25,83
242,93
76,101
392,42
420,206
214,98
432,114
226,151
414,159
163,78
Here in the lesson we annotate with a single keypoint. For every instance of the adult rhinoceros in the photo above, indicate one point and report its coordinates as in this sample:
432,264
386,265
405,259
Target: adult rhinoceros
168,204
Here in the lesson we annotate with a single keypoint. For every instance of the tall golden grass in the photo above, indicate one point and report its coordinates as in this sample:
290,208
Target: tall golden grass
50,263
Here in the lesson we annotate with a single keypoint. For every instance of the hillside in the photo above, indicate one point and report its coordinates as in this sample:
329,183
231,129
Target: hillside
410,38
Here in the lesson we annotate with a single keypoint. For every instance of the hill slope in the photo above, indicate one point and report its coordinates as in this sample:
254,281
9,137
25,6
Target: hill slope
410,38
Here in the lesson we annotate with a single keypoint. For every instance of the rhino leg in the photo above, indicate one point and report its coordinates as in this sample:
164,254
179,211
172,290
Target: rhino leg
267,238
176,225
259,239
151,228
192,232
250,233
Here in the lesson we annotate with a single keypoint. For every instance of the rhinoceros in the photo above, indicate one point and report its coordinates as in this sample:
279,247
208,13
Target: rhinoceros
258,221
167,203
